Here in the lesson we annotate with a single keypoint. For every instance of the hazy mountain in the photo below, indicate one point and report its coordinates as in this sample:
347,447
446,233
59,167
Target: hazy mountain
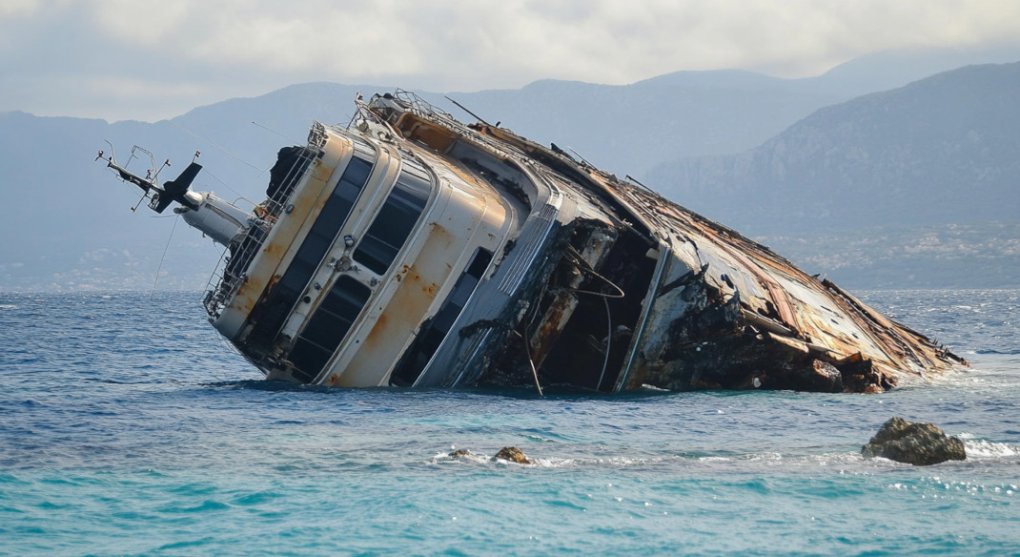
71,227
916,174
942,149
885,70
630,129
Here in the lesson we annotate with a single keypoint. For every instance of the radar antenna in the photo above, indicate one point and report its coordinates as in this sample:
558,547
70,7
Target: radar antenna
159,196
475,116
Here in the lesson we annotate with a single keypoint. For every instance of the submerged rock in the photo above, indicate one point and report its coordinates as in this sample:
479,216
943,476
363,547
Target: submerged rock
459,453
513,454
919,444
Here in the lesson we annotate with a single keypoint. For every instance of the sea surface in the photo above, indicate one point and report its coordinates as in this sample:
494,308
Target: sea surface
127,427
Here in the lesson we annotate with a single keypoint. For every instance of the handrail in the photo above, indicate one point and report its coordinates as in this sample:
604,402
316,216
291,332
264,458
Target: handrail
231,270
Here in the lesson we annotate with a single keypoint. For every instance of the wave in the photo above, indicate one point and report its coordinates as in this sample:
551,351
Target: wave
750,461
977,448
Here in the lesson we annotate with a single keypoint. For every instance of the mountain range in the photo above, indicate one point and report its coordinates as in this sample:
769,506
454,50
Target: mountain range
941,149
866,155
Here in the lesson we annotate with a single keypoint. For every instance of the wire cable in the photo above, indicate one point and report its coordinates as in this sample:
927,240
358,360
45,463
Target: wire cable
606,296
527,352
576,257
609,343
167,247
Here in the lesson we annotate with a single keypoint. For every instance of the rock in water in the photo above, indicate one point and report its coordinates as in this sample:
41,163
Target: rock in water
914,443
513,454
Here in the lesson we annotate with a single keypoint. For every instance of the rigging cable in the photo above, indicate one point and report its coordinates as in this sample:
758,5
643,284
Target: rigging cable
526,338
576,257
581,263
225,150
534,372
167,247
217,145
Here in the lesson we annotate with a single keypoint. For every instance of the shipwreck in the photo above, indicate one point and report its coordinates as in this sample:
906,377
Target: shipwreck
409,249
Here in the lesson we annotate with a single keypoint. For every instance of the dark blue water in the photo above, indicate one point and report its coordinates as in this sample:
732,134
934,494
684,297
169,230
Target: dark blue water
128,427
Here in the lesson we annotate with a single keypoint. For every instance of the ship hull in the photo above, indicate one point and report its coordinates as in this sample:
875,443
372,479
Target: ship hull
412,250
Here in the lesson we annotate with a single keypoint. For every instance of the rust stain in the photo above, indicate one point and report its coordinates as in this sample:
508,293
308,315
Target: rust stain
377,333
404,310
286,231
442,235
250,293
274,249
547,334
414,128
320,171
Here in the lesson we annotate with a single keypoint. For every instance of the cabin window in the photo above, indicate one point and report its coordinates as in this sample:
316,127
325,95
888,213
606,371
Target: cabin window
328,326
309,255
435,330
393,224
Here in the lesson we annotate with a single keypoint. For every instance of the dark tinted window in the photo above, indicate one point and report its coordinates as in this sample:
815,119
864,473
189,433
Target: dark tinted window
275,309
434,331
328,326
391,227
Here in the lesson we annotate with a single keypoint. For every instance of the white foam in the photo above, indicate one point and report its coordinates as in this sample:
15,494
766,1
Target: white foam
714,459
988,449
470,457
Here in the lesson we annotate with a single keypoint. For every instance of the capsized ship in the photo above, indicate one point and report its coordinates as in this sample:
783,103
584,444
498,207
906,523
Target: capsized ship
409,249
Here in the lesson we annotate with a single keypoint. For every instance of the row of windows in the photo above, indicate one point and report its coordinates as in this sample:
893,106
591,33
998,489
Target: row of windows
328,326
273,313
394,223
376,251
434,331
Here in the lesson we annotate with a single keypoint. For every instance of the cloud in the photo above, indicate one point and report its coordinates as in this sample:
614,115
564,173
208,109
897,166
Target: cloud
18,8
145,23
246,47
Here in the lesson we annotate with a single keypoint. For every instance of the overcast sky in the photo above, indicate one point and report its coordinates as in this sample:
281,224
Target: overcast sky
147,60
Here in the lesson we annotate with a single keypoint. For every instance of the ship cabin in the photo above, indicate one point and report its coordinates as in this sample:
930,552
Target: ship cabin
411,250
362,258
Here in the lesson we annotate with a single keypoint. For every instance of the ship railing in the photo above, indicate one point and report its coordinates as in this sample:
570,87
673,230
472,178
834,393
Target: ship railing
231,270
424,109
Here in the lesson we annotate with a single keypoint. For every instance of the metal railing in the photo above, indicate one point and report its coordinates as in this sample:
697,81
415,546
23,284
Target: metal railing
420,107
233,265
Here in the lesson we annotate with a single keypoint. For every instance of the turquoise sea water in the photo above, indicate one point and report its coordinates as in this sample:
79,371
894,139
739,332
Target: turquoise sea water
128,427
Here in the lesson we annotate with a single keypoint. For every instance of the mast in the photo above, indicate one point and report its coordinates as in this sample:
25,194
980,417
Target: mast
214,217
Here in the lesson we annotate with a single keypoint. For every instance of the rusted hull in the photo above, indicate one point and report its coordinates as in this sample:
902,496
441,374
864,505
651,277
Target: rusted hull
740,316
409,249
719,311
